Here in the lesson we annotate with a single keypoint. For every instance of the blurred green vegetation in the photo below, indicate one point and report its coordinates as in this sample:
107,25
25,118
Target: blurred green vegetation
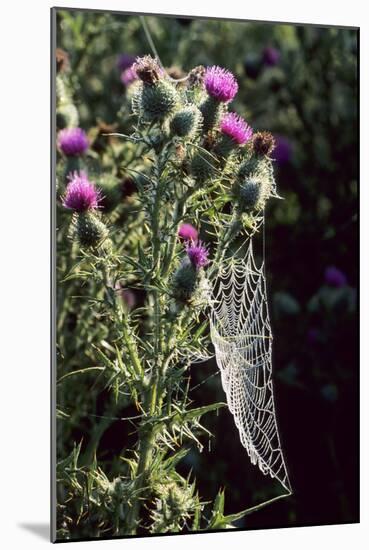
308,99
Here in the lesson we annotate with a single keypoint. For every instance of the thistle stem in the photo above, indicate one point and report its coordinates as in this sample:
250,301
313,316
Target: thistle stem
145,456
152,397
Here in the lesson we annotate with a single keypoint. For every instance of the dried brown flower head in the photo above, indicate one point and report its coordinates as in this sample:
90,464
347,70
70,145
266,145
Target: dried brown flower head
62,60
196,76
148,69
263,143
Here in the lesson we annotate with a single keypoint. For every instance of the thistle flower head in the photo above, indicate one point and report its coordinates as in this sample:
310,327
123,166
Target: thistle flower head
236,128
90,231
283,150
263,143
147,69
62,60
197,254
335,277
252,65
184,280
81,195
250,194
188,232
157,101
73,142
196,76
128,298
271,56
124,61
128,76
220,84
186,121
126,294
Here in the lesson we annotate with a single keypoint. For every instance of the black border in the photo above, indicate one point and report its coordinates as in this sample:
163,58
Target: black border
53,461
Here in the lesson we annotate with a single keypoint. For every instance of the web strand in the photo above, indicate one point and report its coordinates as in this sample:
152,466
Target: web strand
242,337
155,51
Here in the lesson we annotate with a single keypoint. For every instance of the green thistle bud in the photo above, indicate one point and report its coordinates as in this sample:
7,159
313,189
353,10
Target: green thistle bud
184,280
251,194
195,85
254,183
174,505
158,100
90,230
186,121
202,295
247,167
202,166
179,500
132,92
225,147
111,192
211,110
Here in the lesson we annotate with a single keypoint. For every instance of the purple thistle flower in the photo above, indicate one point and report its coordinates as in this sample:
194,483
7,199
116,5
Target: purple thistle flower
197,254
188,232
128,76
335,277
80,195
126,294
124,61
236,128
220,84
128,298
271,56
283,150
73,142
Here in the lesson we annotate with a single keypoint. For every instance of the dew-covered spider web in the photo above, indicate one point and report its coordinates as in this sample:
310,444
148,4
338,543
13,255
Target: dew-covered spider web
241,334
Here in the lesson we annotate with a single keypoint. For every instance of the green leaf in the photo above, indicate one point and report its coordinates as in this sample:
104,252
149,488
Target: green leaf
173,460
79,371
121,365
197,514
218,508
71,461
220,521
194,414
106,361
60,415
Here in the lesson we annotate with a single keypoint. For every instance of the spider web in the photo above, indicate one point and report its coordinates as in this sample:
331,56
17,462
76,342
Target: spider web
241,334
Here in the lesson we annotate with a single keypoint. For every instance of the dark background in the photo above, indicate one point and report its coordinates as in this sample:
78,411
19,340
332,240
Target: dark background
304,91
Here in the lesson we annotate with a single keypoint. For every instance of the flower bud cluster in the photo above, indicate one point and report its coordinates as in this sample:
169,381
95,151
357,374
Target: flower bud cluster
82,197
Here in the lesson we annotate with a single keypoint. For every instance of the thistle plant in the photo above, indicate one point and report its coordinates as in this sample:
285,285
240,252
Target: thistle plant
197,170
